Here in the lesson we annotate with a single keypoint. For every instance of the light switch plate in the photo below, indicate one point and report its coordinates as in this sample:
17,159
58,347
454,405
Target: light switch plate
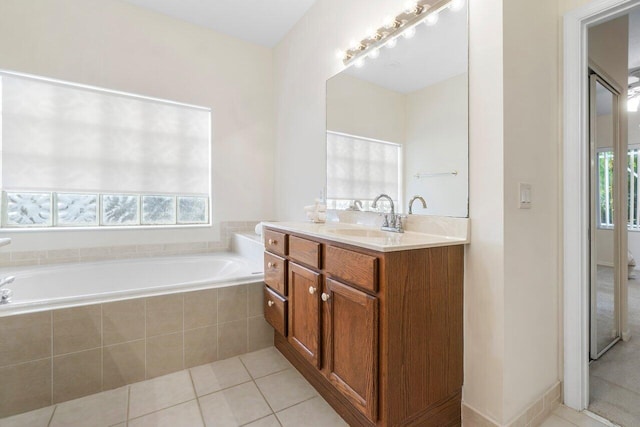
524,195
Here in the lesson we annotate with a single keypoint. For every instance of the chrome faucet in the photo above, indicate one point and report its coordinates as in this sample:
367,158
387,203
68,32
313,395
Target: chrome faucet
6,294
392,222
413,199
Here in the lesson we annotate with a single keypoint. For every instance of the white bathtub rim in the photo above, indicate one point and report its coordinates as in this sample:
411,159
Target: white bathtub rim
33,306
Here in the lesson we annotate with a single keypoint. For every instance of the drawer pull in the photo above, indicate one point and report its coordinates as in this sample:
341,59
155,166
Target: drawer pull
270,303
273,242
272,265
312,290
325,297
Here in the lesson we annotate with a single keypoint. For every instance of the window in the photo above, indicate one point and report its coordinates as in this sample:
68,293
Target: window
361,169
605,186
78,156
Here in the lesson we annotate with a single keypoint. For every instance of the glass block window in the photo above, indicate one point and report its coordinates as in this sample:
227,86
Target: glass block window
362,168
77,209
28,209
193,210
158,210
78,156
120,209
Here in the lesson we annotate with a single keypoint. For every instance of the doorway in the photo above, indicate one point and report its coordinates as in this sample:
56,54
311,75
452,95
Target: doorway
600,210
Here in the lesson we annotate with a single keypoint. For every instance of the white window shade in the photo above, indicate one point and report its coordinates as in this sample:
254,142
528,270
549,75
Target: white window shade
58,136
360,168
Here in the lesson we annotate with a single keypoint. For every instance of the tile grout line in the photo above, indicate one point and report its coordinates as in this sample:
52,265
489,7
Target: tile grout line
257,387
52,414
128,405
161,409
195,392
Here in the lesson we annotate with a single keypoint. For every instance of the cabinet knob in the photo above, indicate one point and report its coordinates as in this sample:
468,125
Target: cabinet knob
325,297
271,265
312,290
273,242
270,303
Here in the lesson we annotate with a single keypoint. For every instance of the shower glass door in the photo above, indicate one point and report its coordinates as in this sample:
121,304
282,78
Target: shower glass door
605,275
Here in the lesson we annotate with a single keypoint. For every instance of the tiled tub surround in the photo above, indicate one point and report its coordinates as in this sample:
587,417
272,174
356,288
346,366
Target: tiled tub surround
57,355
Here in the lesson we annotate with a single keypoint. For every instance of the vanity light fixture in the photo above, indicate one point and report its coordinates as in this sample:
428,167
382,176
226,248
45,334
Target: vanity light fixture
413,14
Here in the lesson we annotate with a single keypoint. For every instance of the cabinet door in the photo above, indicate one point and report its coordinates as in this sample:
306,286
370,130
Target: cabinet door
304,312
352,340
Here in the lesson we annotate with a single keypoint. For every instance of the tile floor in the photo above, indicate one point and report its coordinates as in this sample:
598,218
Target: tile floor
259,389
567,417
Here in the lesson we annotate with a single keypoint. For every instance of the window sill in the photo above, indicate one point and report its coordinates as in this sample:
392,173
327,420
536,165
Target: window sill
103,228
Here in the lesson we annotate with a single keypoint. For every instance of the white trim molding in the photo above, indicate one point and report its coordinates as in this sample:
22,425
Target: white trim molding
575,152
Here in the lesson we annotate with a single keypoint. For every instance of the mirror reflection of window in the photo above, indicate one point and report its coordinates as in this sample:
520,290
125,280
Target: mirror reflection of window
414,95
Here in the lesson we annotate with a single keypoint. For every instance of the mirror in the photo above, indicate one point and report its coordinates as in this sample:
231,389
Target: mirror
399,124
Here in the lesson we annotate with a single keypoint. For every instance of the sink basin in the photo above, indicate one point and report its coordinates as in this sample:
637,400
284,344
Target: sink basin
358,232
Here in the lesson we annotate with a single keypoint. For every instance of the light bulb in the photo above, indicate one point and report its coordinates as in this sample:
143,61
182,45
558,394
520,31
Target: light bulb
410,7
432,19
374,53
339,54
372,34
359,63
409,32
389,22
353,45
392,43
456,5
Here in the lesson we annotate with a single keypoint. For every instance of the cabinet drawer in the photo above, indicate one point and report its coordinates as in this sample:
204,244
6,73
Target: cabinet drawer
304,251
352,267
275,242
275,311
275,272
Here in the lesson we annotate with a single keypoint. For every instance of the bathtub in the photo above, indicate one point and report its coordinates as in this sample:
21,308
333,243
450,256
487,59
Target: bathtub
39,288
113,323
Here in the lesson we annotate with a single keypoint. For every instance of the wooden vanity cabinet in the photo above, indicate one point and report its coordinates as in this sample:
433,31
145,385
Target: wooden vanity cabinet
378,334
305,287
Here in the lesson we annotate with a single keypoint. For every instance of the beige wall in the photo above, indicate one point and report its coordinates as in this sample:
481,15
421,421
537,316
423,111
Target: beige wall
358,107
115,45
437,140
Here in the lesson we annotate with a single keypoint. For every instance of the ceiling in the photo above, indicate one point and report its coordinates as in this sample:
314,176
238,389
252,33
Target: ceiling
434,54
264,22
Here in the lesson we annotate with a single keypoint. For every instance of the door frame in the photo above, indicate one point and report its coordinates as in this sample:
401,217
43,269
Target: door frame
575,187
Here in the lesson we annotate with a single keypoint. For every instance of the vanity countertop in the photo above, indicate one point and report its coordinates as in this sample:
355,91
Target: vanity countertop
370,237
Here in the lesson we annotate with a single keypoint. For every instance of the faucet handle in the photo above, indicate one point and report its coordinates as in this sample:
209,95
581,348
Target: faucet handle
7,280
385,223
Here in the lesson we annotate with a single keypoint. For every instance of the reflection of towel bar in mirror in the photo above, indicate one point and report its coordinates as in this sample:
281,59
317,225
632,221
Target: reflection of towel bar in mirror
431,175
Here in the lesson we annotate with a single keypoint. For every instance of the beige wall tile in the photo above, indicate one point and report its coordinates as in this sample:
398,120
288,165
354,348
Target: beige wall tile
25,337
232,303
123,364
200,308
164,314
200,346
164,354
25,387
232,338
260,334
77,374
255,296
123,321
63,253
76,329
